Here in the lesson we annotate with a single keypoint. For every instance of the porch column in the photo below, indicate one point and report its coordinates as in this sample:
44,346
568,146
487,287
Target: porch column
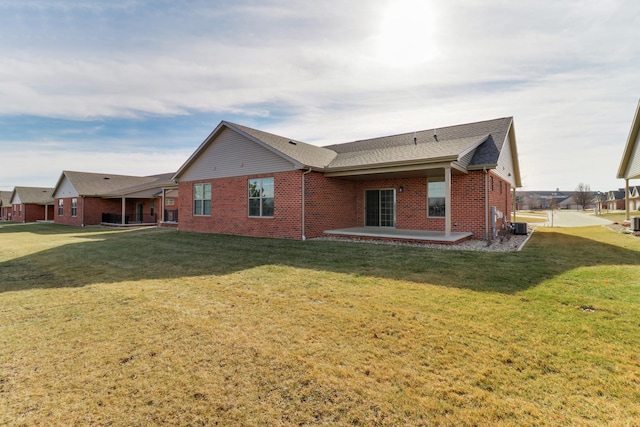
46,212
164,190
124,204
626,199
447,201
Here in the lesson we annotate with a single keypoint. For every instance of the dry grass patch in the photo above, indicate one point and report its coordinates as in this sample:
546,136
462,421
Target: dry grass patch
156,327
530,216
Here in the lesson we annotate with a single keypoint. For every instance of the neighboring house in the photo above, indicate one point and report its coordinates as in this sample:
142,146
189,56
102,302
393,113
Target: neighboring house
630,164
615,200
31,204
534,200
634,198
5,206
446,184
84,198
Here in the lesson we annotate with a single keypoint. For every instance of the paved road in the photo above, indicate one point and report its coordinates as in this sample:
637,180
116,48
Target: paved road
572,219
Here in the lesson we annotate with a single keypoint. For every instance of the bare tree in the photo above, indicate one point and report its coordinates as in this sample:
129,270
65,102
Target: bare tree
583,195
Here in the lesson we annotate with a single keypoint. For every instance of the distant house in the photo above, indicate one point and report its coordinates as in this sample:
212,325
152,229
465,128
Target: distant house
634,198
630,164
84,198
534,200
5,206
615,200
31,204
445,185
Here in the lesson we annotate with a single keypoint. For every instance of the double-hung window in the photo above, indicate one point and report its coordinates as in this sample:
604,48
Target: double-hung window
60,207
74,207
435,197
261,197
202,199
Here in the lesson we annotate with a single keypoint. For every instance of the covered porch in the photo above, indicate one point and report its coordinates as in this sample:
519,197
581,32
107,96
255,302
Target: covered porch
137,209
394,234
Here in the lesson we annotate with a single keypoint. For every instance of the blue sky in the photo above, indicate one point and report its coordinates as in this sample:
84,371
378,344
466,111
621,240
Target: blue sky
134,86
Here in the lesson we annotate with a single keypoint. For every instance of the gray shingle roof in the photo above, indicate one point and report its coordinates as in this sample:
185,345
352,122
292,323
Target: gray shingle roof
104,184
453,140
5,198
480,143
34,195
485,137
428,151
306,154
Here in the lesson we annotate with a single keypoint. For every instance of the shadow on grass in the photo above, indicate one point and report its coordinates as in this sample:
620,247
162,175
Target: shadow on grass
106,256
43,228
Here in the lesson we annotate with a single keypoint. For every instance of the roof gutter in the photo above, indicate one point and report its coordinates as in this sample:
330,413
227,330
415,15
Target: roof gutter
431,161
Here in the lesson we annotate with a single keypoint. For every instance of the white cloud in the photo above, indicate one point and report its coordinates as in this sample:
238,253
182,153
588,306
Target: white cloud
565,70
42,167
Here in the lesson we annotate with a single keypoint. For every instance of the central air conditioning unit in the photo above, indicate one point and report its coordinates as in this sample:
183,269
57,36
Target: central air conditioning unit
520,228
636,223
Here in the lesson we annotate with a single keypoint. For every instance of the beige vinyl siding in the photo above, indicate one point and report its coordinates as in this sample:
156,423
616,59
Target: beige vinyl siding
231,154
505,168
633,170
464,160
66,189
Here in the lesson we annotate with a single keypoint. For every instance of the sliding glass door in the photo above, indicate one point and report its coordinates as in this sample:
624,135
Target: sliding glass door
380,208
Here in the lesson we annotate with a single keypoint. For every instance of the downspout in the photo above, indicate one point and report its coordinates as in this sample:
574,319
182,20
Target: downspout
447,201
162,207
626,200
124,204
82,225
304,237
486,203
514,205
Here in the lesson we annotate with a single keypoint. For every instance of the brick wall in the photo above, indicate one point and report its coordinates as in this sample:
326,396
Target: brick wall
32,213
332,203
229,207
90,209
467,203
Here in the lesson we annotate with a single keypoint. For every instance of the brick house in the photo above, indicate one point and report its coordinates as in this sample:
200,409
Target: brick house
84,198
615,200
443,185
634,199
31,204
630,163
5,206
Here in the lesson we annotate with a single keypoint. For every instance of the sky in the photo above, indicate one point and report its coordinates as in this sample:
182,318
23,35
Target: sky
134,86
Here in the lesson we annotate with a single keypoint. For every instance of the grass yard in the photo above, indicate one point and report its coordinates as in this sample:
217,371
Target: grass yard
158,327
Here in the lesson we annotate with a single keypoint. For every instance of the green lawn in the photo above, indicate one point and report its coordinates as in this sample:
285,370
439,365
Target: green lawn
159,327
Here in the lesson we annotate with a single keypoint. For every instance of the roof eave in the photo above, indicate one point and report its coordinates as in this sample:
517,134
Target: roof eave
631,140
442,162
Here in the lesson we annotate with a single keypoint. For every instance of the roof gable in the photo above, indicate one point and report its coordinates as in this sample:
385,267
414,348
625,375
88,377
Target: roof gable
630,163
297,154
